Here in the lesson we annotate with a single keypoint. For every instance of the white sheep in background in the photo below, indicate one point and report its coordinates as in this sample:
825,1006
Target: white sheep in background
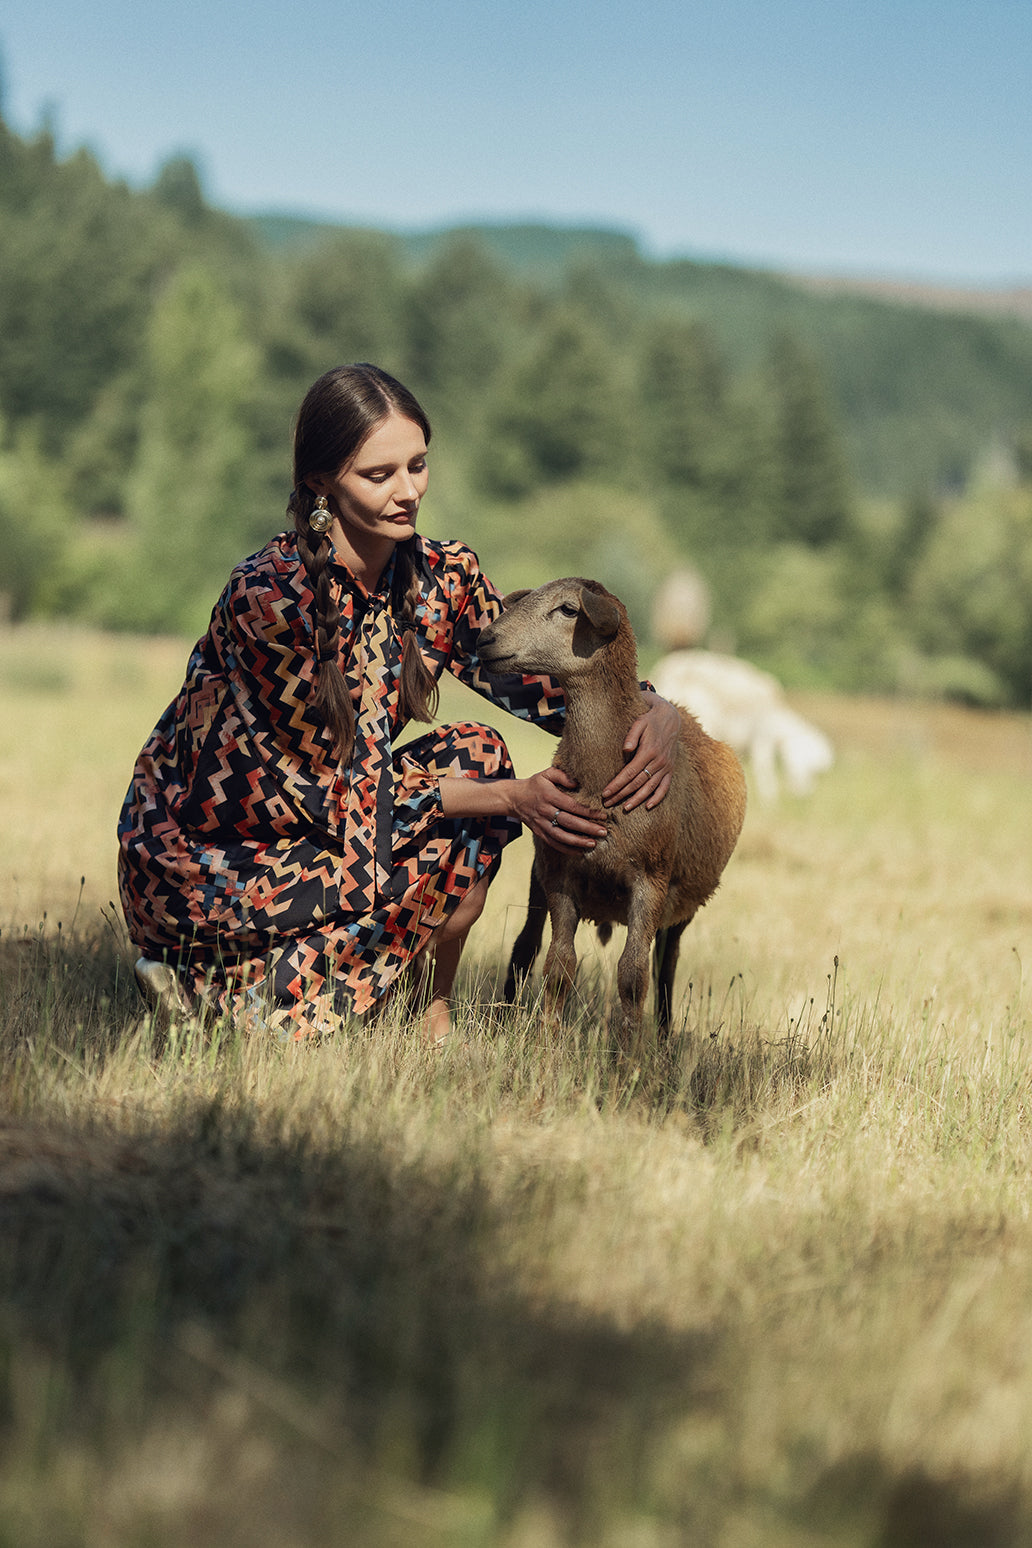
737,703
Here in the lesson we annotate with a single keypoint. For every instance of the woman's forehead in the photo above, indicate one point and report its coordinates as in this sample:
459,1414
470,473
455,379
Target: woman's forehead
394,440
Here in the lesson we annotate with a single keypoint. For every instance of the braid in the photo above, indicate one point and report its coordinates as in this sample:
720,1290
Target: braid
418,691
332,695
339,411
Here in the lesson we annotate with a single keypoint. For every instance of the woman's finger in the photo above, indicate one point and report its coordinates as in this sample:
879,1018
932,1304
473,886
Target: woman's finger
565,829
659,793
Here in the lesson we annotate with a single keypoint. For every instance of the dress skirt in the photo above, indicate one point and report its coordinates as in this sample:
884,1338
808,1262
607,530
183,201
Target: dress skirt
292,943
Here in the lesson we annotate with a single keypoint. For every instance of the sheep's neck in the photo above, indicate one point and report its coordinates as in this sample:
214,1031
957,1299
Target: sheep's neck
598,717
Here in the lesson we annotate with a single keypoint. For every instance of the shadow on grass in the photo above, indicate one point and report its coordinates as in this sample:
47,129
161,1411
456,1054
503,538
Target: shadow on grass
359,1311
73,989
913,1509
366,1294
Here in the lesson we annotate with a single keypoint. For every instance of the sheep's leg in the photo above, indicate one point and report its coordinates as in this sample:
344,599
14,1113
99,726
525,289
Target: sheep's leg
632,973
665,954
561,959
528,942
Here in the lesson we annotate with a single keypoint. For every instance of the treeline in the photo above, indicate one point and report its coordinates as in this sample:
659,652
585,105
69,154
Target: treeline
853,480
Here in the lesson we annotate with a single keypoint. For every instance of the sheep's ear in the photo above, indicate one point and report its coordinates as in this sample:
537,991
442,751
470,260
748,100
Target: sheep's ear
601,612
514,596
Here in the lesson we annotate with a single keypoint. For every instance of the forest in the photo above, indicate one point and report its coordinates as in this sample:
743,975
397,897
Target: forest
851,476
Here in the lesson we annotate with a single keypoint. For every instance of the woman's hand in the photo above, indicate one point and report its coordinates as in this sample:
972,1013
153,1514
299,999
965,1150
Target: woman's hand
544,805
649,746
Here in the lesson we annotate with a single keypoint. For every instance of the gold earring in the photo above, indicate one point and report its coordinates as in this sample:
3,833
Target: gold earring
321,519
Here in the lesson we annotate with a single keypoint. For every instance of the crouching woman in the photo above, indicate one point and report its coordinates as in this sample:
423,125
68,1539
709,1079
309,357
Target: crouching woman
279,856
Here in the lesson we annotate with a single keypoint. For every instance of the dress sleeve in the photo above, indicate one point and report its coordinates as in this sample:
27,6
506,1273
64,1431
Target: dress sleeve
477,604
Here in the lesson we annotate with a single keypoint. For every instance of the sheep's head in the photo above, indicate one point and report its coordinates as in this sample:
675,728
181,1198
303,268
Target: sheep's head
553,631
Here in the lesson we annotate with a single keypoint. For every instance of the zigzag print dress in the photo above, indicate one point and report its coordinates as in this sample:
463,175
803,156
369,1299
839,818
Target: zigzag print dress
247,858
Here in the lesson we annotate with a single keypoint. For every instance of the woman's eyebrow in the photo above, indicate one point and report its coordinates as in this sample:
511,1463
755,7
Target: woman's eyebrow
386,467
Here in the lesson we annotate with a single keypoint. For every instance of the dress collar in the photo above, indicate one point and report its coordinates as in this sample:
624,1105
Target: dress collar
349,579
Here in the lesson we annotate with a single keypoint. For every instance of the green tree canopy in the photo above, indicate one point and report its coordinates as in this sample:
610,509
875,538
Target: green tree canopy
558,415
194,489
970,595
457,325
339,301
683,395
811,491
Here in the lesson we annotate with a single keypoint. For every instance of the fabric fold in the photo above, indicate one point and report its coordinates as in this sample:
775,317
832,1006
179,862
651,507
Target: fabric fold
365,868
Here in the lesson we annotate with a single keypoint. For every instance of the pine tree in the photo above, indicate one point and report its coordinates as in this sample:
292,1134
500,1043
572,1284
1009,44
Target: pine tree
454,321
810,499
194,488
558,416
683,392
341,301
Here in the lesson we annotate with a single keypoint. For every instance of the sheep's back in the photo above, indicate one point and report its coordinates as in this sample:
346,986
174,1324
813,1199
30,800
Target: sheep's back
708,794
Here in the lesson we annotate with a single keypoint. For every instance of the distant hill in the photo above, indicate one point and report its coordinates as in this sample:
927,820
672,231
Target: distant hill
282,233
545,250
528,247
534,249
985,301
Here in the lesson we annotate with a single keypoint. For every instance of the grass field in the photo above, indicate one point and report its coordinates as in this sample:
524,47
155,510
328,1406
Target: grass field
769,1287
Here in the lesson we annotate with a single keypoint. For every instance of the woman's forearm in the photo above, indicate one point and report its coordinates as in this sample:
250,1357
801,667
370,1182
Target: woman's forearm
544,803
479,797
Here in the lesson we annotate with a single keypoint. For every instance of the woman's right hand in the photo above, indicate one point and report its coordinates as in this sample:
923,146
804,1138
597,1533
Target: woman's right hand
544,805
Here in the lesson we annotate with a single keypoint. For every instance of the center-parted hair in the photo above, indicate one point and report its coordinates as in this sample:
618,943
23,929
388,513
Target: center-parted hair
340,410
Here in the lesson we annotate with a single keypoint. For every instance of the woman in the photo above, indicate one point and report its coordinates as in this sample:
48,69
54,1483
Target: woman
276,850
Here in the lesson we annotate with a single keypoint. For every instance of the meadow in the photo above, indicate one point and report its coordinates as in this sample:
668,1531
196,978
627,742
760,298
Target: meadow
767,1287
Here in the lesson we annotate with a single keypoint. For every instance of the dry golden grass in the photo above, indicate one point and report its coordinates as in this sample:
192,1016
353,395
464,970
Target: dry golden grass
772,1286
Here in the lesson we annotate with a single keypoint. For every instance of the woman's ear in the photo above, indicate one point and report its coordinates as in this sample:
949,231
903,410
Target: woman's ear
318,483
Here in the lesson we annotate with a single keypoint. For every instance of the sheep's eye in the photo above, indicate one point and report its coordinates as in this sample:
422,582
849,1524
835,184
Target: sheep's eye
568,609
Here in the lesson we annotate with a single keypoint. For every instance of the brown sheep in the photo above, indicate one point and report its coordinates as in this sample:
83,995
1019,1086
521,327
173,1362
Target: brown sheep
654,869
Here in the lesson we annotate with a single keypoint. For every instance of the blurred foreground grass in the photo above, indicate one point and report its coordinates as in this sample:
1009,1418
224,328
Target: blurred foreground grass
772,1286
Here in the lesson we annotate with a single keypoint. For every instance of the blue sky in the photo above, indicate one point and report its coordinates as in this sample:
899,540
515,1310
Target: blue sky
888,139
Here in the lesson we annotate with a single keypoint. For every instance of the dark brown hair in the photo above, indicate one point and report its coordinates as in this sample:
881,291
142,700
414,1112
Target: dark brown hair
339,411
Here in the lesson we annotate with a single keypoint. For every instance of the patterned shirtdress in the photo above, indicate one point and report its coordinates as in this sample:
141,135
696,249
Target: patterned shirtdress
247,858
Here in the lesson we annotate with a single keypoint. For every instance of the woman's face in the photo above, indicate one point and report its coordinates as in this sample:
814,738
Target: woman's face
375,496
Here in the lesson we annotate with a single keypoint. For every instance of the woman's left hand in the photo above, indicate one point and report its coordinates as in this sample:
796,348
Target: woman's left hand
649,748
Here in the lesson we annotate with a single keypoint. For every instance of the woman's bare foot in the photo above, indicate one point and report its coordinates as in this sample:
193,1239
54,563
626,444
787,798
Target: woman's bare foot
436,967
436,1022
